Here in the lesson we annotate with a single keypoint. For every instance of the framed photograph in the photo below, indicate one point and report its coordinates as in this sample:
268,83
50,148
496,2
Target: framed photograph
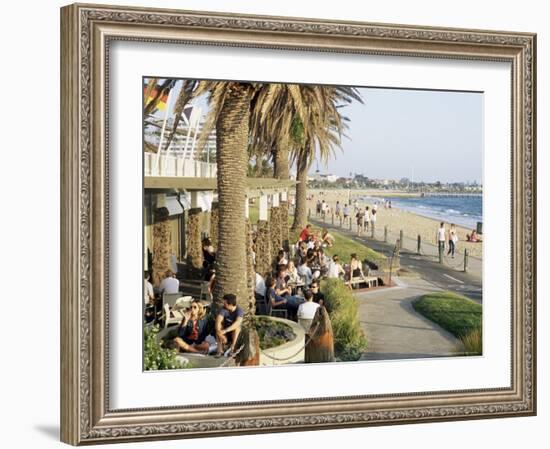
275,224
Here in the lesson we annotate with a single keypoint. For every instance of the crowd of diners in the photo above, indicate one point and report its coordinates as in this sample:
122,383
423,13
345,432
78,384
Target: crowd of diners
293,284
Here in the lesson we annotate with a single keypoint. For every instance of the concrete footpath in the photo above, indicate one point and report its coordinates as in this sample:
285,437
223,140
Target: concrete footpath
394,330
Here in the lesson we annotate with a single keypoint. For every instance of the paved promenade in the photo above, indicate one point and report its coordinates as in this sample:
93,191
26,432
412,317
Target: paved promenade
395,331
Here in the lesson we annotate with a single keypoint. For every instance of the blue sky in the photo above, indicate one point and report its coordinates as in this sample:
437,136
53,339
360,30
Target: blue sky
424,135
436,135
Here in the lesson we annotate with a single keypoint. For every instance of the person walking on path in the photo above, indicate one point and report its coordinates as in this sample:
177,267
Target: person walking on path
453,239
360,216
337,209
440,237
345,211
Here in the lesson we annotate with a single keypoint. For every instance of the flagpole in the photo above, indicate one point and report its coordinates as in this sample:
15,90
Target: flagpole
162,131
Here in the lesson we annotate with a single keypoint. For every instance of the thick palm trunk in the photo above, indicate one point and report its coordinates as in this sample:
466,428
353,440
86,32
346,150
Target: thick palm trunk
161,245
232,159
300,212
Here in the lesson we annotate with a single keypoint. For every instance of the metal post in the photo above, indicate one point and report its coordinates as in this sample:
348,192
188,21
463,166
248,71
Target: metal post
465,260
401,239
385,234
418,244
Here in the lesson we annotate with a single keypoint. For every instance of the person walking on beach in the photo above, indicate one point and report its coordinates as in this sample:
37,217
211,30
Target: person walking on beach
440,238
337,209
367,219
453,239
373,218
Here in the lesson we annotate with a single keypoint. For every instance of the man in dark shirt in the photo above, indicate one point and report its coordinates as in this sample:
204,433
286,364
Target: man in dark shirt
318,297
228,324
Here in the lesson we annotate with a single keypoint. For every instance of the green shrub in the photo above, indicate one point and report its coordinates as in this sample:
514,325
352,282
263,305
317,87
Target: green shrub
155,356
349,339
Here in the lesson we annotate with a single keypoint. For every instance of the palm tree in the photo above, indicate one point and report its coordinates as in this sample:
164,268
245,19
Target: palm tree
319,134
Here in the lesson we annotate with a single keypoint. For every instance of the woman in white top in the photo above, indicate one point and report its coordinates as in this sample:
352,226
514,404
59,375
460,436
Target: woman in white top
292,273
440,238
453,239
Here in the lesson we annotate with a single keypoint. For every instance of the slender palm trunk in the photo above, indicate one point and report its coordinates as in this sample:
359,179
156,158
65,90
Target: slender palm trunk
232,160
300,212
280,163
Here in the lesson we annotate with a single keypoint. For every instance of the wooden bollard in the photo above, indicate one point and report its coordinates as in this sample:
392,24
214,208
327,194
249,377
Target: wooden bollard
372,230
319,339
350,223
308,214
250,353
385,234
419,245
333,219
340,221
401,239
465,260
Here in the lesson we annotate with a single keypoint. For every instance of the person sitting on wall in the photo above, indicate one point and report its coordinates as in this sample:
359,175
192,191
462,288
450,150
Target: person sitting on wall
228,324
193,330
327,239
170,284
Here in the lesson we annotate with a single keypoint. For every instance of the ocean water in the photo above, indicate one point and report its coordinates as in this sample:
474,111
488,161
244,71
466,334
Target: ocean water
461,210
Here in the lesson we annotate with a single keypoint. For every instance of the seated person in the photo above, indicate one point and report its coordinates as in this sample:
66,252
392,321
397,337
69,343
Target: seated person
170,284
193,330
306,310
228,324
149,297
305,272
304,235
208,254
281,258
473,237
259,288
356,270
281,286
292,273
327,239
335,270
318,297
289,302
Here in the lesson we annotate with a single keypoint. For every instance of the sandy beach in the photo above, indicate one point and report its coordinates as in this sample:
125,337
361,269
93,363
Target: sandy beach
395,219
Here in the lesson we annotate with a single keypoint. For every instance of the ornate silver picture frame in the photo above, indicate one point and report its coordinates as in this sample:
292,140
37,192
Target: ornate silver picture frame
87,33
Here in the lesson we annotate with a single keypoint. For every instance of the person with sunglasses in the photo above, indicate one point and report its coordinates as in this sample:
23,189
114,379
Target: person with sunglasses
193,330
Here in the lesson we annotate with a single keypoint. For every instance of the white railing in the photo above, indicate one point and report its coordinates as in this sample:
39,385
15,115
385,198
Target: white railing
172,166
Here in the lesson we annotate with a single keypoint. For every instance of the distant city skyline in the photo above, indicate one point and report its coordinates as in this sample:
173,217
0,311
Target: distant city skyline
426,136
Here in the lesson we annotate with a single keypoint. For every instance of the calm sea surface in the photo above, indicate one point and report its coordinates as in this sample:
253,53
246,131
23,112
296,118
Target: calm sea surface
461,210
